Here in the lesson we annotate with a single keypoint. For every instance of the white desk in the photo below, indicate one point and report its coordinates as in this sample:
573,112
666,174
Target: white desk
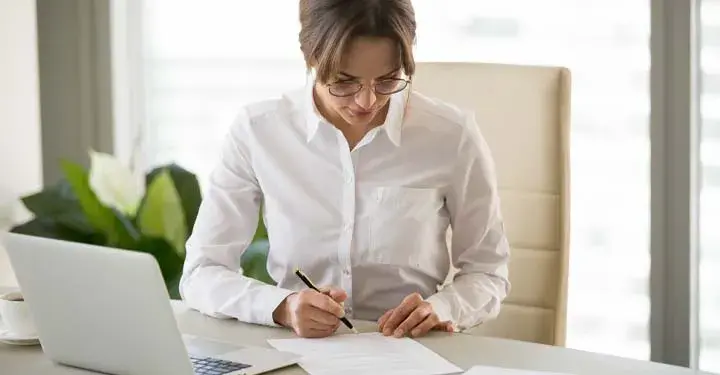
461,349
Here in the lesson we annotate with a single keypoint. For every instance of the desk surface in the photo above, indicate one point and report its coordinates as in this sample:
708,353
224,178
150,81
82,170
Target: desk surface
461,349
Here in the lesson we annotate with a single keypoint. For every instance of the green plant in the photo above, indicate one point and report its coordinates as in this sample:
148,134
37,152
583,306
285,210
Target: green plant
110,206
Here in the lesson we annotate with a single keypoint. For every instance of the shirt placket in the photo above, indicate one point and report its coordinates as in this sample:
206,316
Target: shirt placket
345,242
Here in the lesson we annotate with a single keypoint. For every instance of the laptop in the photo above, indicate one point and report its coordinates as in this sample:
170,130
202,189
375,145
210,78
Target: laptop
108,310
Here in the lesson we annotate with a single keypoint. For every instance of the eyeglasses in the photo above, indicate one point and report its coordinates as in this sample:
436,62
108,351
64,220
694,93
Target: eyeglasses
386,86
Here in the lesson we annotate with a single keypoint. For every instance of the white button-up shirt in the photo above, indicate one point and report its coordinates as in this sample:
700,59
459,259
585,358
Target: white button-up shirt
371,220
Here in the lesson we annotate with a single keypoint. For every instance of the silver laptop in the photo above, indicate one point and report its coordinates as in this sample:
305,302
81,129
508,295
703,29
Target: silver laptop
108,310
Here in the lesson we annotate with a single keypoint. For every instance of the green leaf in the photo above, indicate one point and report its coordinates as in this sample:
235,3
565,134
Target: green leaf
254,262
161,214
98,215
52,201
102,218
188,188
169,261
125,226
173,287
49,228
261,231
59,203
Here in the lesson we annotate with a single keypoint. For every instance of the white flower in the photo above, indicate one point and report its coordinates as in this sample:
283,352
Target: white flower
114,184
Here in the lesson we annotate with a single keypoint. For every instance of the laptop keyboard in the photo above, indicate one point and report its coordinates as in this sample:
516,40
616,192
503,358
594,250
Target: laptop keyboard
214,366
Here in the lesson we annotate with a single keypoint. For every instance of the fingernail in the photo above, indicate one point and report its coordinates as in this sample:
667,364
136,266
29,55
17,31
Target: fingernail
398,332
415,332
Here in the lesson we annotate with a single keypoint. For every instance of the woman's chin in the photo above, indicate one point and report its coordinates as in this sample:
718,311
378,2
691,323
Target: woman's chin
358,124
358,120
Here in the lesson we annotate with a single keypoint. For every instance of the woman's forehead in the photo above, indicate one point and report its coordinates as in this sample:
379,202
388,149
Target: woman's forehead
370,58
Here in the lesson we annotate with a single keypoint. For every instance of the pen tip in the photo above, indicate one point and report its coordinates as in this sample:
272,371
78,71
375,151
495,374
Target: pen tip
355,331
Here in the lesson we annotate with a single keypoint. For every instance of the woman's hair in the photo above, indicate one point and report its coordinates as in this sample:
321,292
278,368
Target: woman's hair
329,26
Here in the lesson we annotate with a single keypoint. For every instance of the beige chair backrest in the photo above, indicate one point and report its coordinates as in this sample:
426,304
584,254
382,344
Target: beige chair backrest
524,114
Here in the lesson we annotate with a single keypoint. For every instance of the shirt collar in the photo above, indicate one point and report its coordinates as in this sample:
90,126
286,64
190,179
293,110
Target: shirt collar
312,115
393,119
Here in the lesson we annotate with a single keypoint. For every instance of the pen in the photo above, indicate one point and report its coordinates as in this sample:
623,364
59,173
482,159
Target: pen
309,283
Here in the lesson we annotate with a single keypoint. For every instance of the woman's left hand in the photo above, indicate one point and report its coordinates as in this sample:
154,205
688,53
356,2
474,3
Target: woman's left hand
414,316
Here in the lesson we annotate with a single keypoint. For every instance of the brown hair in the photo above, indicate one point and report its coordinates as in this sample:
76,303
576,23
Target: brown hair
328,27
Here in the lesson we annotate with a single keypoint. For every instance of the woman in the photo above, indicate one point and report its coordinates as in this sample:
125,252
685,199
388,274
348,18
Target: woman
360,179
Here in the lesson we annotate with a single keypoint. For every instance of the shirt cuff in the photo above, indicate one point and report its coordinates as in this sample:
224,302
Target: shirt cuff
441,308
272,296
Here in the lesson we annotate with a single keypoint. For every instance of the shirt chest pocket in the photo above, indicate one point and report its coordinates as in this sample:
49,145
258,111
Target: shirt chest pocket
405,226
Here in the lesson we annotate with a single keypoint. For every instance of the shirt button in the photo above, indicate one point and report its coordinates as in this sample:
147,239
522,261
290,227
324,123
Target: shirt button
346,272
349,179
347,227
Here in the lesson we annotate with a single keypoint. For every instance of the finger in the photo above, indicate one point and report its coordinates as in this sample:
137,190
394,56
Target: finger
325,303
401,312
414,319
311,324
337,294
430,322
311,317
311,332
446,326
383,319
323,327
320,316
335,327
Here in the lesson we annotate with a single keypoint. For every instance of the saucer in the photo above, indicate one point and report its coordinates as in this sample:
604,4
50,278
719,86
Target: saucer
15,339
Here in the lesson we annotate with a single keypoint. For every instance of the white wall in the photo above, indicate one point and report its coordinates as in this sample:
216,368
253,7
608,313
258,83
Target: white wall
20,138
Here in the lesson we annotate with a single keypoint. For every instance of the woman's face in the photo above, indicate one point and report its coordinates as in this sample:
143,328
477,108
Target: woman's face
368,62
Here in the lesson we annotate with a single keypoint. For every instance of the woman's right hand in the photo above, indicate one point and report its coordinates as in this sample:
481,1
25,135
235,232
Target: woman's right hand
312,314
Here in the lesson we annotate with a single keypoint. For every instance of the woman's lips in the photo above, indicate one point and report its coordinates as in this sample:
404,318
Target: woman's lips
360,113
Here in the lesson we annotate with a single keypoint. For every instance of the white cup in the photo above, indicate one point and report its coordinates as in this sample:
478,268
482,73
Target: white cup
15,315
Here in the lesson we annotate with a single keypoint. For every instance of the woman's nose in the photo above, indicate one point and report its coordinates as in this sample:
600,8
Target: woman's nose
365,98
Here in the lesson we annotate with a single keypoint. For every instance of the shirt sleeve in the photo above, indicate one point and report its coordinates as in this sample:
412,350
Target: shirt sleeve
480,249
212,281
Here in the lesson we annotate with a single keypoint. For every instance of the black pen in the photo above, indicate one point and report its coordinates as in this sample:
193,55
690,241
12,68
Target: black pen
310,284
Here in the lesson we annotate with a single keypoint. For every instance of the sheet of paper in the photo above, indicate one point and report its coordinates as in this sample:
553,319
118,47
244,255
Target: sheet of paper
365,353
487,370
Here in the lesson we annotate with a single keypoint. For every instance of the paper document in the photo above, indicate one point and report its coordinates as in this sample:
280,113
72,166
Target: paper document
365,353
487,370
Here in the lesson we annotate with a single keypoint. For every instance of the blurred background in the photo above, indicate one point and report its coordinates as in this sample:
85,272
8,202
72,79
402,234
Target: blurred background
159,81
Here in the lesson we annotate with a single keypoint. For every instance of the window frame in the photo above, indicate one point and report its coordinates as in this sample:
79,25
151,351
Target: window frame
674,187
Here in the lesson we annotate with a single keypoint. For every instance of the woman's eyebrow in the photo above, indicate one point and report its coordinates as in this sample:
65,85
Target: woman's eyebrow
392,72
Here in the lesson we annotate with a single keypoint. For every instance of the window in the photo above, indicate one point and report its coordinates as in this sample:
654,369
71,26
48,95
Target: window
709,297
205,58
607,53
